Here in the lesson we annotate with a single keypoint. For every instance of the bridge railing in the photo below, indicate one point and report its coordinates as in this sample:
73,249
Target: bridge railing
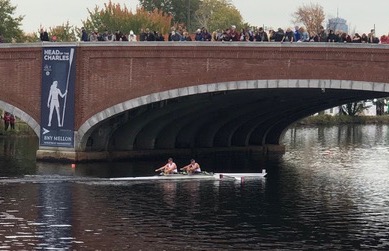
198,44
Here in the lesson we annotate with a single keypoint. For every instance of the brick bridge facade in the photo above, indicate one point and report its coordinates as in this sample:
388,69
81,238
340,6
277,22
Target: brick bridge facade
138,99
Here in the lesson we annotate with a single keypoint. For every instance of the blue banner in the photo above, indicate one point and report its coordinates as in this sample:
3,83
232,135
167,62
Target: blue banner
57,98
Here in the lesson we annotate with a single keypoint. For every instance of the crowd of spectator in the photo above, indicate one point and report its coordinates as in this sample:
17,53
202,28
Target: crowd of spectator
299,34
95,36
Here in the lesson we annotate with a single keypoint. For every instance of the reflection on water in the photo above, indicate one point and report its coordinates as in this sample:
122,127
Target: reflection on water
44,168
17,155
329,192
54,215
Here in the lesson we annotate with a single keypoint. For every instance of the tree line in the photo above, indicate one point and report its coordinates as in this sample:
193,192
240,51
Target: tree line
213,15
155,15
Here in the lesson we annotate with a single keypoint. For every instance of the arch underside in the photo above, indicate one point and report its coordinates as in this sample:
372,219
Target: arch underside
217,118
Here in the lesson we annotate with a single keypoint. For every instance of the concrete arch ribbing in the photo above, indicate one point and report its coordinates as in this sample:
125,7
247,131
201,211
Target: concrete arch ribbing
220,87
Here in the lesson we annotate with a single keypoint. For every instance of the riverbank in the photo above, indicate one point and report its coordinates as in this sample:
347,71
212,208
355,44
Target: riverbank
326,119
21,129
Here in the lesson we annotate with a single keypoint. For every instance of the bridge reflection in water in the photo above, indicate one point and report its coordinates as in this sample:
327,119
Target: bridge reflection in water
326,191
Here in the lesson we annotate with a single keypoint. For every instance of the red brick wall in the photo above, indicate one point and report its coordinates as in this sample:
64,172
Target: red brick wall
20,78
108,75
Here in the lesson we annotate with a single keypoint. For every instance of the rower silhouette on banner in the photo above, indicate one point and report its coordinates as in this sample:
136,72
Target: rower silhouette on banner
53,103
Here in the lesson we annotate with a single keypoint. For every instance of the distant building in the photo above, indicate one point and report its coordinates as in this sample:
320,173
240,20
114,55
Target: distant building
337,24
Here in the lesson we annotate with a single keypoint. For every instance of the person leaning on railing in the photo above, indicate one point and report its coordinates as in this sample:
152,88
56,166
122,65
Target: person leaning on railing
261,35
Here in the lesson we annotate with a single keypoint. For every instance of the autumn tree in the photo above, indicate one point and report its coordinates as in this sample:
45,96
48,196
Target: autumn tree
31,37
63,33
165,6
60,33
114,17
182,11
218,14
10,26
311,16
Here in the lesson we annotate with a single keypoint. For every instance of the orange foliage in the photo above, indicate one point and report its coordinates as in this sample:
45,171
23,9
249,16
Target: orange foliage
115,17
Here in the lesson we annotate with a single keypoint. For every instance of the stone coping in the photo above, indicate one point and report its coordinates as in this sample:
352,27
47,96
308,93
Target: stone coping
197,44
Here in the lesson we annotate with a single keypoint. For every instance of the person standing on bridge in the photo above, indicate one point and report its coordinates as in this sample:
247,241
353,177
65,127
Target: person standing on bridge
53,102
44,36
84,35
132,36
169,168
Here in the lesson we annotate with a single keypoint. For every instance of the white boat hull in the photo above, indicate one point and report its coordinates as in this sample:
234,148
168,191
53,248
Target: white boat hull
215,176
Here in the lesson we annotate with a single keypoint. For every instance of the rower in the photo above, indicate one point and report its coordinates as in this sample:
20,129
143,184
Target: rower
192,168
169,168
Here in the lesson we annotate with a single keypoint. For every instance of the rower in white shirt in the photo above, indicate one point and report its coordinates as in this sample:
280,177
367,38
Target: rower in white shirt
192,168
169,168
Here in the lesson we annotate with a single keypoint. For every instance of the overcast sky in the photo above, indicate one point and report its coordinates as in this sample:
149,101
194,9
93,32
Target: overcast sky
360,15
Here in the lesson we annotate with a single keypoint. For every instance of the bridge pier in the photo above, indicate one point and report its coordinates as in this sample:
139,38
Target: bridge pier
56,155
66,155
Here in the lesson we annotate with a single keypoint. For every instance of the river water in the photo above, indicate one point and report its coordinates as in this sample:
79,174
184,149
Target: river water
330,191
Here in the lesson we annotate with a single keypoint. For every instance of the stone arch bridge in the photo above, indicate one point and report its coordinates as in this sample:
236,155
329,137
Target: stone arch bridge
134,100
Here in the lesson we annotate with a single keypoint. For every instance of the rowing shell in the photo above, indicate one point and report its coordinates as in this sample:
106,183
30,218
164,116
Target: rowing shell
170,177
215,176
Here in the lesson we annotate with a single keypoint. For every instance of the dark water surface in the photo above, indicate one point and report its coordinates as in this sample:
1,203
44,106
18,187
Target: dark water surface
330,191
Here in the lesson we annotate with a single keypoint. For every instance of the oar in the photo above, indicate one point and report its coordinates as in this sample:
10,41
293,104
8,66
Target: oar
67,83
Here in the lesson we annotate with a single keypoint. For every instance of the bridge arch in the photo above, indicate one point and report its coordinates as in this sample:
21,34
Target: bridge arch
22,115
323,94
136,78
